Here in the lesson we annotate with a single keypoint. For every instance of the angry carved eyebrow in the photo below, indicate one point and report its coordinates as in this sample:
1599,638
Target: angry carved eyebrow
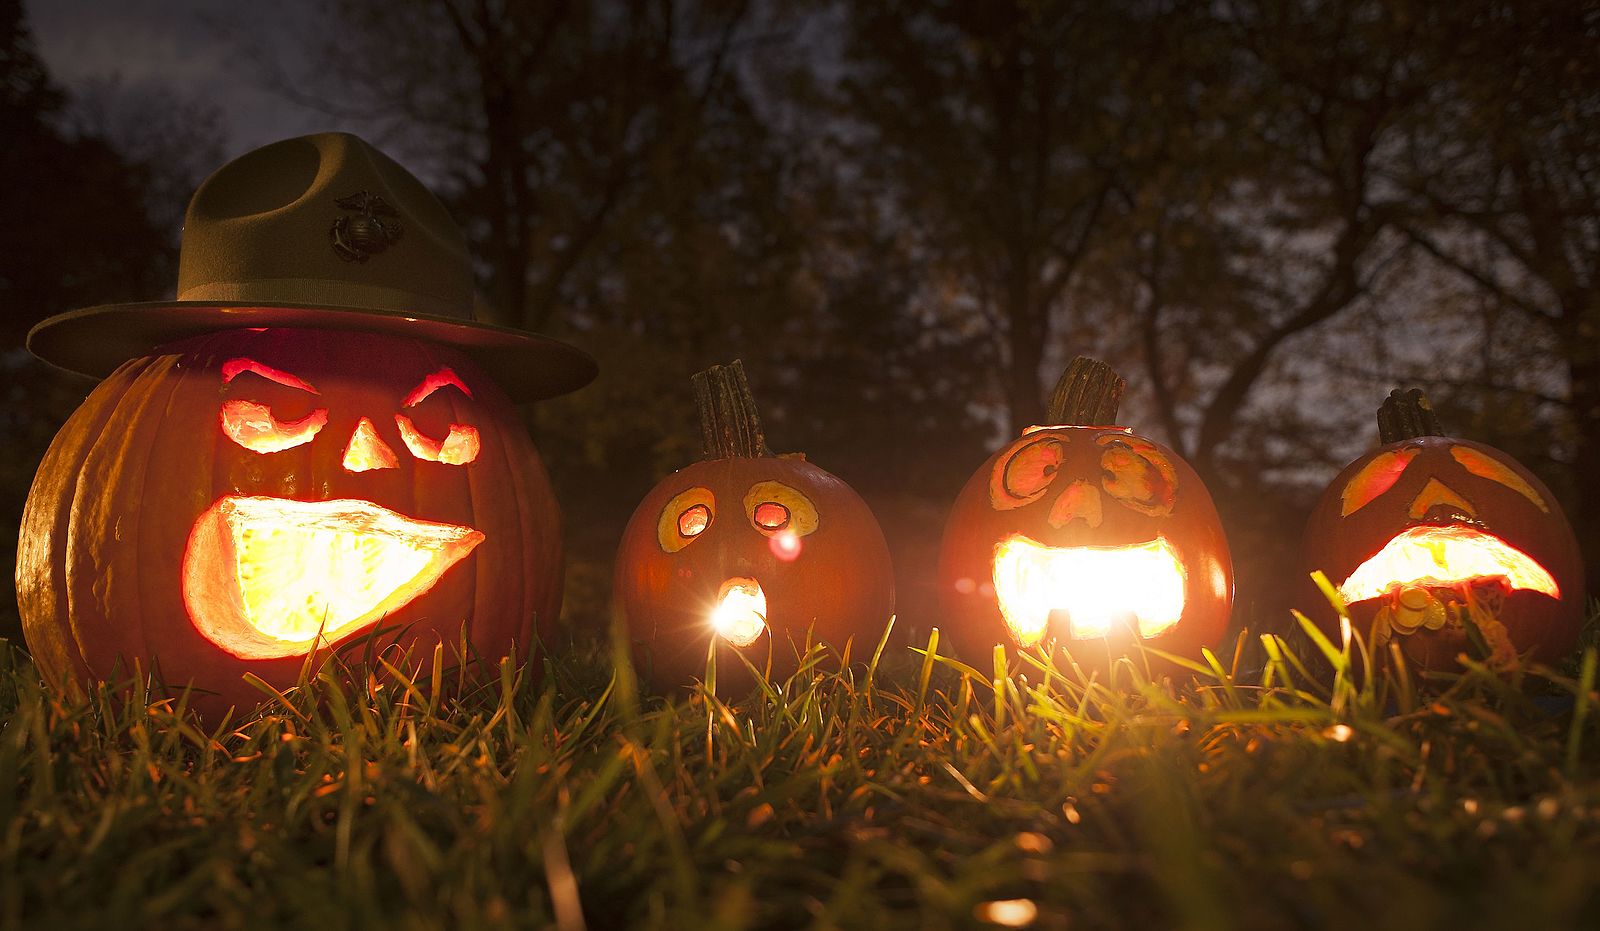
433,383
233,368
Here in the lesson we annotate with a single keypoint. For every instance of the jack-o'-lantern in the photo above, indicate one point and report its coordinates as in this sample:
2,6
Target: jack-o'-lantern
1085,535
1428,534
746,553
261,480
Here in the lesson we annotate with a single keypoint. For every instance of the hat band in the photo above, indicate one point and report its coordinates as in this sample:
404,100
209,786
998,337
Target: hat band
328,293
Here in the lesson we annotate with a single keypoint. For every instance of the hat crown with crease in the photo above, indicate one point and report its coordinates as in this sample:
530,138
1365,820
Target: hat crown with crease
320,232
259,230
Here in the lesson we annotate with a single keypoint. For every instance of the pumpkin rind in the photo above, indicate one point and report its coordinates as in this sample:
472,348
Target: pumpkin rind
115,499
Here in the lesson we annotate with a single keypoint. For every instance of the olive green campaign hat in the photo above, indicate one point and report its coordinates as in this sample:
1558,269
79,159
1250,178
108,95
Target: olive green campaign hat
320,232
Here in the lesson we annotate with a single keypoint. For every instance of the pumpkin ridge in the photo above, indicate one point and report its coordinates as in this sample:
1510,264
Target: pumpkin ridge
50,497
116,453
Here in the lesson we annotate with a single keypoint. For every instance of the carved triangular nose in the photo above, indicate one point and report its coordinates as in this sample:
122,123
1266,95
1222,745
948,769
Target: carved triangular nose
367,451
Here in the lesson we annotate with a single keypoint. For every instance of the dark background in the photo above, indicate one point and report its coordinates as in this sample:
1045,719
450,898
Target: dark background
904,216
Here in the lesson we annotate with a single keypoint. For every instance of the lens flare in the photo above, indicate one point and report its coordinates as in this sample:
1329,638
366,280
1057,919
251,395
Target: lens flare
741,612
1445,556
1097,588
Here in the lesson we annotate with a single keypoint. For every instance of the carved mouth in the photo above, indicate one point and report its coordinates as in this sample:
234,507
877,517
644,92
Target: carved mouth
1087,592
740,615
1445,557
273,577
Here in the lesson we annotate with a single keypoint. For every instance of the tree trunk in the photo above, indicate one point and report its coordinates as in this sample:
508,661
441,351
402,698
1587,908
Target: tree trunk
1583,374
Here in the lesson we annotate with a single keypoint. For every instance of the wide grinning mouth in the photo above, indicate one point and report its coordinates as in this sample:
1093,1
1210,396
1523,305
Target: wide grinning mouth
1092,590
1445,556
271,577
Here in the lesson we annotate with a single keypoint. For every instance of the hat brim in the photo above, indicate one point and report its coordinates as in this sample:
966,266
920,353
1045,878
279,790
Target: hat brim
95,340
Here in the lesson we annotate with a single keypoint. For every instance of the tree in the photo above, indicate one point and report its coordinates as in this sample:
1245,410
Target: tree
1503,191
74,231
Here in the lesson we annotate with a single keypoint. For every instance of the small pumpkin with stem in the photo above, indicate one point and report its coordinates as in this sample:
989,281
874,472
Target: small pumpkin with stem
1085,534
747,554
1430,536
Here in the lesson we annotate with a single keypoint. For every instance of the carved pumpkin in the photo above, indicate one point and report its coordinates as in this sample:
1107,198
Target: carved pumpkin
313,443
1428,532
1086,535
747,553
239,500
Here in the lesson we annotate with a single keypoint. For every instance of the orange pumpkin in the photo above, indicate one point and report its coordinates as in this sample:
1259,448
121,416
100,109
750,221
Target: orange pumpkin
235,502
747,553
1086,535
1429,532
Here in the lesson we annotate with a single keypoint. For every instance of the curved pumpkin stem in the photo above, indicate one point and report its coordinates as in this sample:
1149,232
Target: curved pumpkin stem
1087,395
1406,415
730,425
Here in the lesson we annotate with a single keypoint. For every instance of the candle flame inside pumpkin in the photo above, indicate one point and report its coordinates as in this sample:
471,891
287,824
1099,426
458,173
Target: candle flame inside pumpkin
1096,590
741,612
1445,556
273,577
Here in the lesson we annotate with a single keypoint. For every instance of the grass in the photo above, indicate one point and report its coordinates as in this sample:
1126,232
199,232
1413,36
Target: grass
1278,788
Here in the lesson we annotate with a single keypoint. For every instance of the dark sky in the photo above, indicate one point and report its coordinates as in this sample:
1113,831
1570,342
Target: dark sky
186,47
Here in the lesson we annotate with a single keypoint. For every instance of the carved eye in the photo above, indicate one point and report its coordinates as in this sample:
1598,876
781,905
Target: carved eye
458,448
774,507
694,521
1487,467
1022,476
1375,478
770,515
1138,474
685,517
251,425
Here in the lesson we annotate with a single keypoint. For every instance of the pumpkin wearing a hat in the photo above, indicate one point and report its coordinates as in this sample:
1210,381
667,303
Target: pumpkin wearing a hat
314,443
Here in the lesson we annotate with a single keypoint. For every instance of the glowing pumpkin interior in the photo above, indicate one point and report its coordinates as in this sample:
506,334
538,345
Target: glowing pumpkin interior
273,577
1445,557
740,615
1087,592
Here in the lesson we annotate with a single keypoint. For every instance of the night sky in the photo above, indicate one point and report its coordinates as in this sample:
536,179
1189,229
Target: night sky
196,49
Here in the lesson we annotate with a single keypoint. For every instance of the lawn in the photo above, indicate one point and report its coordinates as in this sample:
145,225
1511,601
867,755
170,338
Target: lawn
1276,788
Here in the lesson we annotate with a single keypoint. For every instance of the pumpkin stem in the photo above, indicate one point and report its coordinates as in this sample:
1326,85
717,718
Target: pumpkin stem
730,425
1406,414
1087,395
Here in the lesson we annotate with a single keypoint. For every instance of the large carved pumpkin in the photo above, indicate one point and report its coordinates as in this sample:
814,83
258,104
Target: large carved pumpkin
747,553
1086,535
237,501
1429,532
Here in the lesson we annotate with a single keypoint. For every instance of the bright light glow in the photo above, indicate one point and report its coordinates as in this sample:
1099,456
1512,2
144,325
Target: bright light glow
1097,588
367,451
459,448
741,612
786,545
1445,556
1008,913
252,426
261,575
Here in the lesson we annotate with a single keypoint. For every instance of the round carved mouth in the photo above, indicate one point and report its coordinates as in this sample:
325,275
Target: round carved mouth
1088,591
271,577
1445,557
